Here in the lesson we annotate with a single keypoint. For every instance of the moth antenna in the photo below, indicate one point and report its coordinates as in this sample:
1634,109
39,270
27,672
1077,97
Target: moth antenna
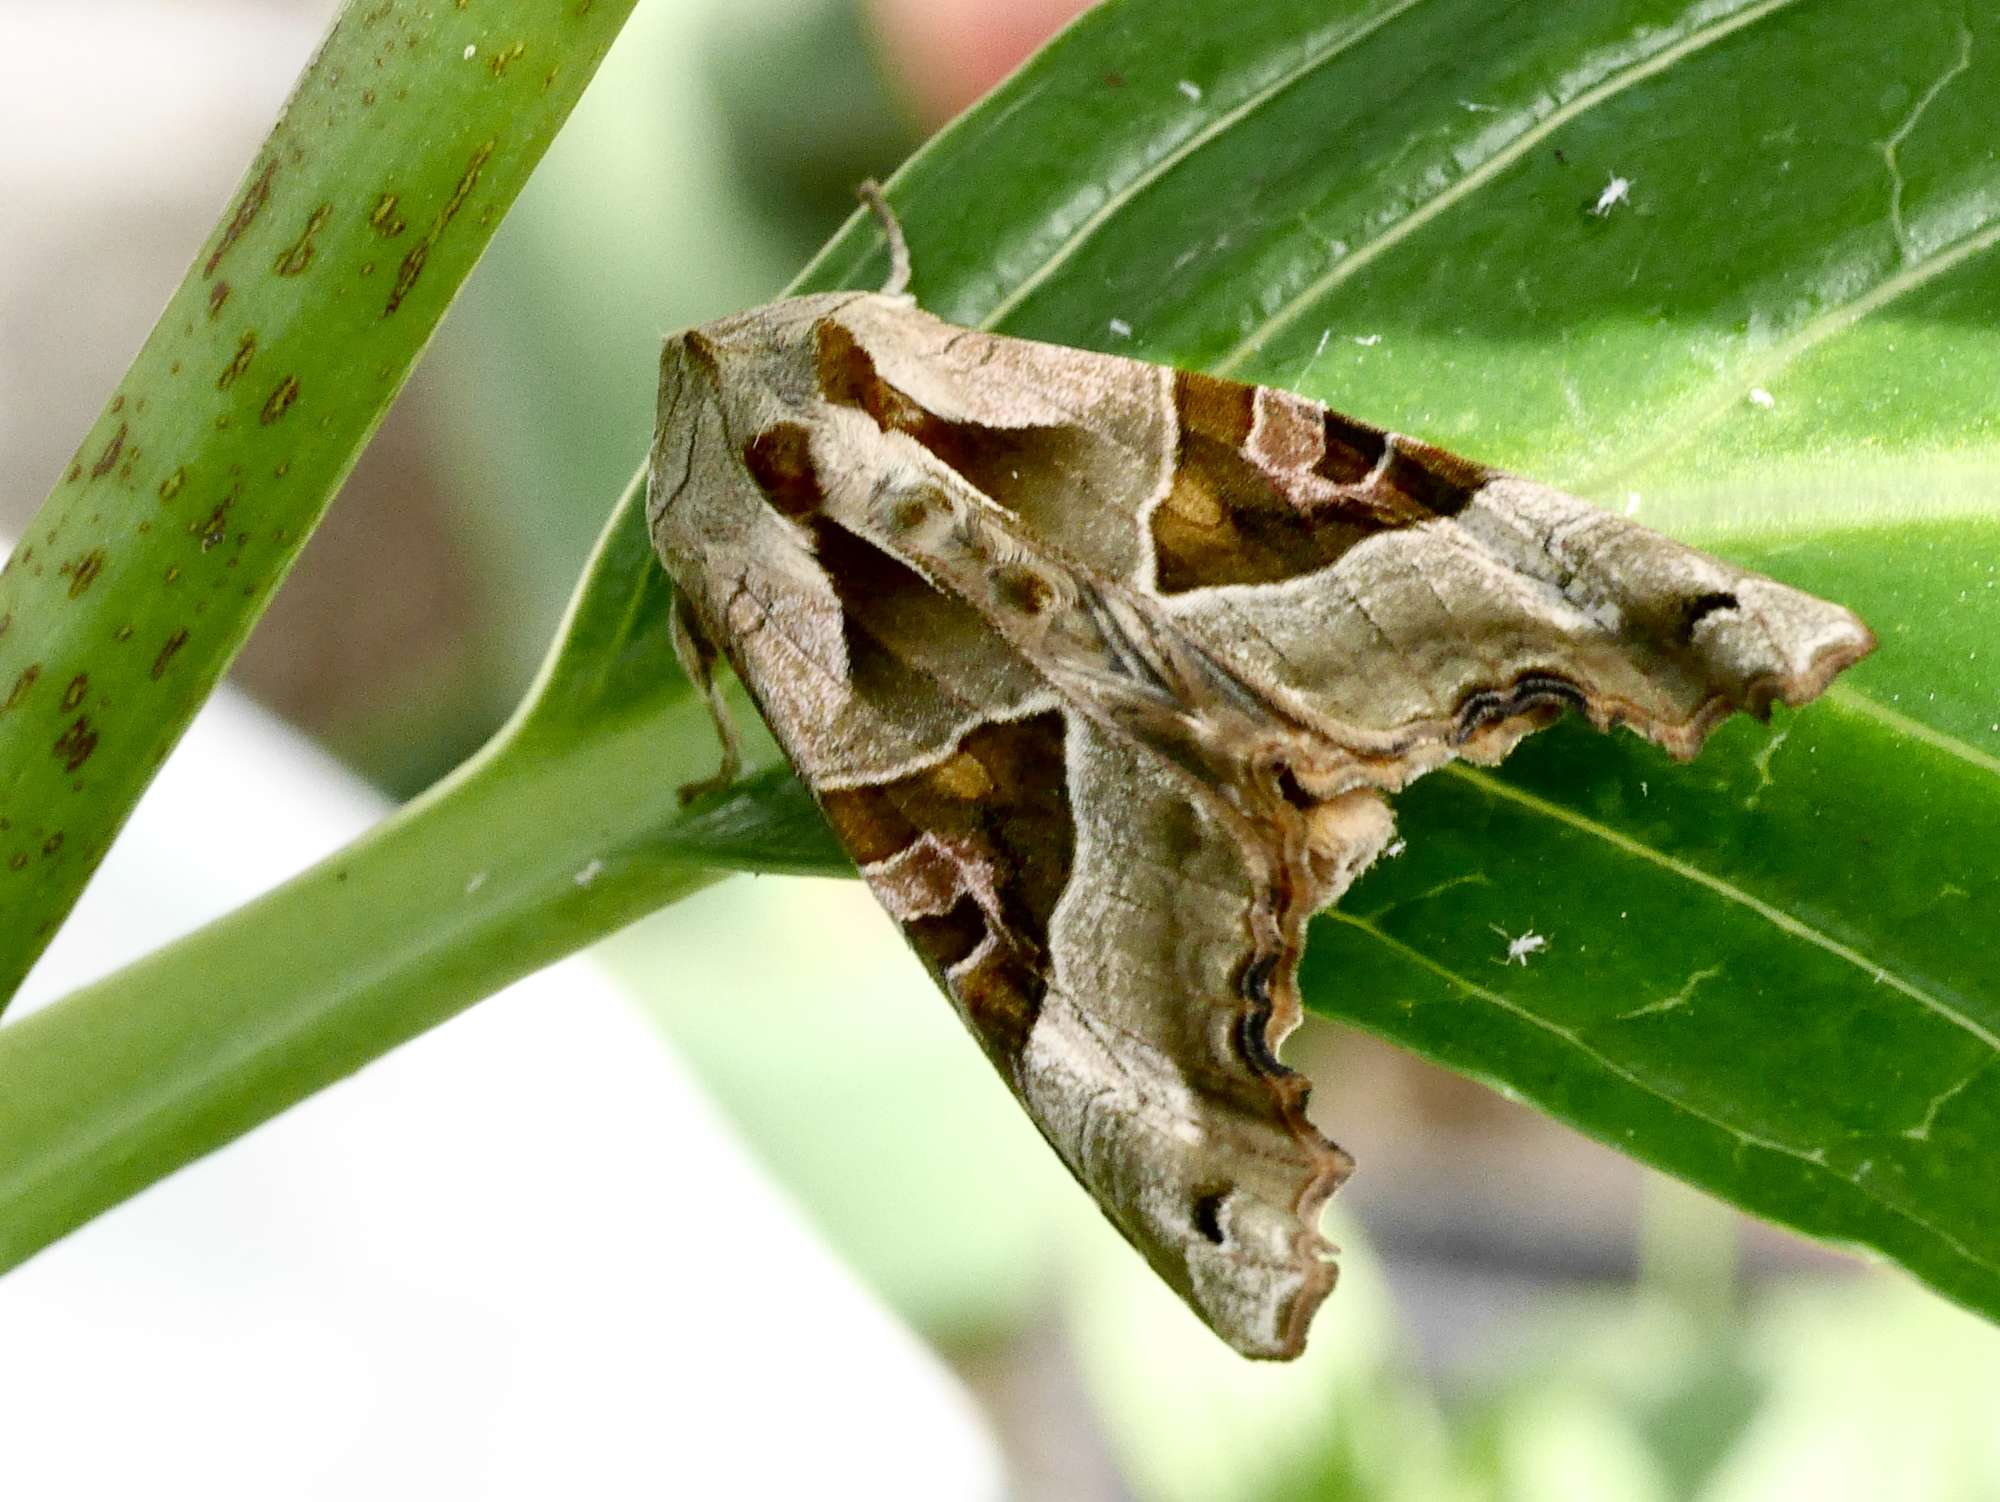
892,230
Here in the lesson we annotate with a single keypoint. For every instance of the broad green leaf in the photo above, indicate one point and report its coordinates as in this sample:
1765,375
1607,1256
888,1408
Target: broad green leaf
1765,972
1770,972
404,141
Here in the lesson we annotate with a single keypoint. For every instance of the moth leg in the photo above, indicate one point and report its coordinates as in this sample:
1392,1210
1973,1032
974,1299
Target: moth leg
697,655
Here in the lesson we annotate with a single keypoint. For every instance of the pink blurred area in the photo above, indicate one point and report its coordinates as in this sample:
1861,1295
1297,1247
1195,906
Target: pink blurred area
949,52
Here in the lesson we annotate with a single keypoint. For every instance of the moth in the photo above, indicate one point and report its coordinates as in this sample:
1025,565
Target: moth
1100,671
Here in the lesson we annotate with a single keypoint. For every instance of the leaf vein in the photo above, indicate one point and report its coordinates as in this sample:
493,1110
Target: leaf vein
1313,60
1611,86
1771,914
1843,697
1815,331
1813,1158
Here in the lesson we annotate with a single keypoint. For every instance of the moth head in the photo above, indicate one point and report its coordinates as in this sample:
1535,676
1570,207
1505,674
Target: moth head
743,393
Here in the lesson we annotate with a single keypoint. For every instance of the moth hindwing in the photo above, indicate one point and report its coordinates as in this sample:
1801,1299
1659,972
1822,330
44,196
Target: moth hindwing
1100,670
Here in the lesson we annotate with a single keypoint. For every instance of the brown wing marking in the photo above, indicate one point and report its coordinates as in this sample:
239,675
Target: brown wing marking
971,855
1074,477
914,653
1270,486
1011,466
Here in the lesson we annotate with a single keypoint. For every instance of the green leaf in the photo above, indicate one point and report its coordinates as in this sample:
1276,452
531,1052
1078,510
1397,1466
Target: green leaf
404,141
1768,973
1764,972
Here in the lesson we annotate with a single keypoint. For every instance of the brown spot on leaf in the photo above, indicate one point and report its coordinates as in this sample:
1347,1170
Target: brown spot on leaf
246,351
53,843
215,526
279,402
780,461
108,460
217,296
420,253
74,694
504,58
83,571
73,747
297,256
17,861
384,219
24,681
167,652
247,208
171,486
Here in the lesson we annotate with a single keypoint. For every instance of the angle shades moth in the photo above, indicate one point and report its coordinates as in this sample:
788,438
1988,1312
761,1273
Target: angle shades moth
1100,670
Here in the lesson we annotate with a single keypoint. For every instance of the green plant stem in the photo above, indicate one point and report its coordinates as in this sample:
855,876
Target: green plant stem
537,846
405,140
460,893
202,1040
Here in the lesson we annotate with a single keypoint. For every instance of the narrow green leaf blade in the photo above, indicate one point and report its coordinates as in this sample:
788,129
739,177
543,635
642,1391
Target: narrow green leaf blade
404,141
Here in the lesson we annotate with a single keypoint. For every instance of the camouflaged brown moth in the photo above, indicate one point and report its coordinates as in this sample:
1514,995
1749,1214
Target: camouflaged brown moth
1100,670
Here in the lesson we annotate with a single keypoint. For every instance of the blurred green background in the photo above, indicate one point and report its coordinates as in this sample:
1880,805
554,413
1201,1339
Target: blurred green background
1523,1314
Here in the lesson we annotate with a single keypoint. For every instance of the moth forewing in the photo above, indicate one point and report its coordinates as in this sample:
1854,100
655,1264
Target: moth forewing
1099,671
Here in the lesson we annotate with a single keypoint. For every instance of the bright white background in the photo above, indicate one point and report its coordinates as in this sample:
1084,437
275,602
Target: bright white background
465,1273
